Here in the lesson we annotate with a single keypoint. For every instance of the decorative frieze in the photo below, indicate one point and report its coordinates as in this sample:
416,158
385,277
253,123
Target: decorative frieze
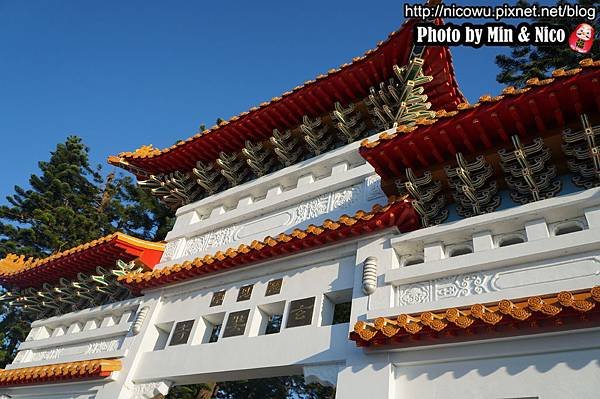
373,187
305,211
57,353
448,287
215,239
103,346
171,250
151,390
49,354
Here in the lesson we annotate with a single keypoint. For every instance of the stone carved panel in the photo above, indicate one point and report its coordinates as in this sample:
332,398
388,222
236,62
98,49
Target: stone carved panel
20,356
49,354
86,348
151,390
373,185
102,346
214,239
447,287
171,250
585,269
311,209
300,213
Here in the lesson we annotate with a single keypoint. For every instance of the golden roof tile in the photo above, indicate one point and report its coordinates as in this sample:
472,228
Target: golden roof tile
97,368
489,313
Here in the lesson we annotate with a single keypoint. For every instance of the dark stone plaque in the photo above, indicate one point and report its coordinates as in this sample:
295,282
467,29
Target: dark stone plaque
217,298
245,293
301,312
236,323
182,332
274,287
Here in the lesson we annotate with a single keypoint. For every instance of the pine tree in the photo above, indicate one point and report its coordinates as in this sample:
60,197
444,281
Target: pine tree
70,203
526,62
273,388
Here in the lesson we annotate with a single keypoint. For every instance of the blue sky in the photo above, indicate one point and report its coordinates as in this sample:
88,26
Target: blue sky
125,73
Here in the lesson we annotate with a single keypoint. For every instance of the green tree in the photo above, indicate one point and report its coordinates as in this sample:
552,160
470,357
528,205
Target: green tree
273,388
70,203
526,62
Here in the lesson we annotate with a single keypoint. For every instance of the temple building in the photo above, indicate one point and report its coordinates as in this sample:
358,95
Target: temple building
369,229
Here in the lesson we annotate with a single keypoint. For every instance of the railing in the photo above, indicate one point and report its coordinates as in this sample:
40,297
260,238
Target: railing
259,206
87,334
532,249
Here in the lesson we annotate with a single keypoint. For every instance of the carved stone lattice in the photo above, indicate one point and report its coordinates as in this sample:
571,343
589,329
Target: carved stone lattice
85,291
151,390
287,147
259,158
400,101
349,122
173,189
233,168
208,177
427,200
583,153
316,135
475,190
528,173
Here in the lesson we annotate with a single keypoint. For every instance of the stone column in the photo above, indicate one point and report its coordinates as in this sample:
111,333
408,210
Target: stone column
366,380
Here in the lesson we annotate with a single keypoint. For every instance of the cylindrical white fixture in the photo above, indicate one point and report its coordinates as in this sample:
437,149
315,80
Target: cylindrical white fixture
139,320
369,275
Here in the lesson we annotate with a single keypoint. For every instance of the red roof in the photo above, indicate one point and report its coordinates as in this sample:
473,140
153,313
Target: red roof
347,84
541,106
20,272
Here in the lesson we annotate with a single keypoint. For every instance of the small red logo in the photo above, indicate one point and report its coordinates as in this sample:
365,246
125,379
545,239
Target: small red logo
582,38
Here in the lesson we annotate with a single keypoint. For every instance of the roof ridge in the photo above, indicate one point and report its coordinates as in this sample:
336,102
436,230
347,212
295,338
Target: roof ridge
149,151
13,264
559,73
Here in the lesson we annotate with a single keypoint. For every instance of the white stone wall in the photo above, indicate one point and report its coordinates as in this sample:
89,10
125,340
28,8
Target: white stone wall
412,272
